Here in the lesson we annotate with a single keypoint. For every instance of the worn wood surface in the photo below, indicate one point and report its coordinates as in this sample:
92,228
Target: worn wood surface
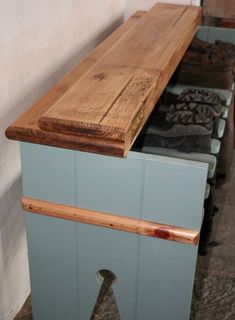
26,127
111,221
113,99
109,97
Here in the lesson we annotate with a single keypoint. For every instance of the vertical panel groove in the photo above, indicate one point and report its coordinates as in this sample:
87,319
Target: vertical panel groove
139,239
142,189
76,235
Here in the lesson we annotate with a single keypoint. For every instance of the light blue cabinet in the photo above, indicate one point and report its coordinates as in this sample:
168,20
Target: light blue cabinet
154,276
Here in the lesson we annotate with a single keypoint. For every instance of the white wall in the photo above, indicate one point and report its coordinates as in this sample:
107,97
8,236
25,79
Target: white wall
134,5
39,42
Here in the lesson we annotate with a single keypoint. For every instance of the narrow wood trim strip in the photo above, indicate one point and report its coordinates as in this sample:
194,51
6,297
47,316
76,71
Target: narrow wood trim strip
106,220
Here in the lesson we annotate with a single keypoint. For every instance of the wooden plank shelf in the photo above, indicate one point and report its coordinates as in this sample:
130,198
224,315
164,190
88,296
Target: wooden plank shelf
26,127
107,99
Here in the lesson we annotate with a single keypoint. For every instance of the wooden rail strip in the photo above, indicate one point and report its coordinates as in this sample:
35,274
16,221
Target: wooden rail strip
106,220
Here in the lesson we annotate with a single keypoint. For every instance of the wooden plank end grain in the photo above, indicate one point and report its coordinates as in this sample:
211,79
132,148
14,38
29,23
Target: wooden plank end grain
111,221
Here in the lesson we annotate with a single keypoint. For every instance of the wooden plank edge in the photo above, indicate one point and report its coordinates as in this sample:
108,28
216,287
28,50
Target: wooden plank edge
82,129
111,221
111,148
20,133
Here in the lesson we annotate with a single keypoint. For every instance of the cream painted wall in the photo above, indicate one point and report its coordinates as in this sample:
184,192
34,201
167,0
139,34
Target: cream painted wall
133,5
39,42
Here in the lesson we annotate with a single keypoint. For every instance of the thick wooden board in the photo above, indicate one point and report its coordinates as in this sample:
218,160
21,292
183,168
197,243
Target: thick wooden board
113,99
26,128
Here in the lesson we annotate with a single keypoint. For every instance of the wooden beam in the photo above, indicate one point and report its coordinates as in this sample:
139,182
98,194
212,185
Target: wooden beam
111,221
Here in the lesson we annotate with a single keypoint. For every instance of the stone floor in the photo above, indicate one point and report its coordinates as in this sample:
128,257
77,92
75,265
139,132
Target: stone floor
214,289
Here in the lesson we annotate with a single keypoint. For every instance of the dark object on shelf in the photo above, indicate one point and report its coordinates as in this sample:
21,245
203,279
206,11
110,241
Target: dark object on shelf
226,48
227,23
207,224
227,145
202,96
207,65
185,122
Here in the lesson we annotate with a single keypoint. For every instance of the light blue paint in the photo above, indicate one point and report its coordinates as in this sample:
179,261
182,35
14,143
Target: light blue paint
65,256
215,146
193,156
174,192
155,277
225,112
221,34
203,33
211,34
48,173
220,127
101,248
166,276
53,267
109,184
207,192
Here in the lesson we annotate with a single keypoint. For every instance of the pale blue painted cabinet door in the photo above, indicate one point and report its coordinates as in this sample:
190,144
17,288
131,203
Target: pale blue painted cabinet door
154,277
49,174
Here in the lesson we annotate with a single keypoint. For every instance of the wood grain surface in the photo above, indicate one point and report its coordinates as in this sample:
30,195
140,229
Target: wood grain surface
104,102
26,127
111,221
114,98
